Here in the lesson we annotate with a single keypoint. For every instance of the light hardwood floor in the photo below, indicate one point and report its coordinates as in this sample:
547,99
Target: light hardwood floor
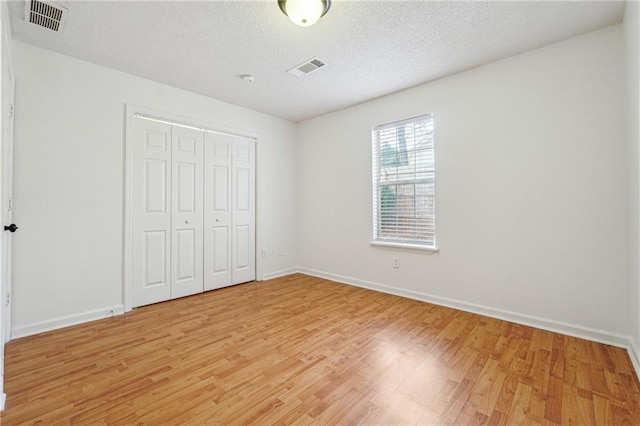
309,351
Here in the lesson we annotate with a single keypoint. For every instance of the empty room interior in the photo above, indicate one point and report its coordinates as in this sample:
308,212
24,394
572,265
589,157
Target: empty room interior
320,212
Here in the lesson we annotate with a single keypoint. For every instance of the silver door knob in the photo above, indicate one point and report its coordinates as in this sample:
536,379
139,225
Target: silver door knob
217,220
186,221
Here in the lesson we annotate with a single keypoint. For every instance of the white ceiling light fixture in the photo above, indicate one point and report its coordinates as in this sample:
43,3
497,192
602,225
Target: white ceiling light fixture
304,12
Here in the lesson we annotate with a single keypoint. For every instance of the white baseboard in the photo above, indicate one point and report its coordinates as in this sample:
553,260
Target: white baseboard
634,354
3,399
574,330
66,321
596,335
278,274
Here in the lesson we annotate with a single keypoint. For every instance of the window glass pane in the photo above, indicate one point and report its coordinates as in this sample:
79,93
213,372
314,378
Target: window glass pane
388,202
404,181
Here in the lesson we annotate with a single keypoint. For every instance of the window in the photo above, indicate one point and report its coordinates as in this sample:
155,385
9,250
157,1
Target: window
403,184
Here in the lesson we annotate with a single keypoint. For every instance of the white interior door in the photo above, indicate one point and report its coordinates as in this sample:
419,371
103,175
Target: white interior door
187,215
229,220
7,207
217,206
151,212
243,260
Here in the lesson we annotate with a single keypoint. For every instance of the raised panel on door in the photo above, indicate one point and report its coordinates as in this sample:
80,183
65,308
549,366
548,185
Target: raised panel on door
186,255
243,212
155,258
217,211
220,242
151,212
155,186
187,212
241,259
186,184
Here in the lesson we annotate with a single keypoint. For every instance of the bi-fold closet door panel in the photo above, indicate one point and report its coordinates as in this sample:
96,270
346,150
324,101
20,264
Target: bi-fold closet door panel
229,221
243,261
151,212
167,212
187,213
217,210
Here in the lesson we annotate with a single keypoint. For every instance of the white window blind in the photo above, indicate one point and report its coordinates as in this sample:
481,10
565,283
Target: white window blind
403,183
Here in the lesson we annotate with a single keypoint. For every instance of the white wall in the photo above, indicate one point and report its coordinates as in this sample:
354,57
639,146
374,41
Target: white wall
69,161
531,181
632,49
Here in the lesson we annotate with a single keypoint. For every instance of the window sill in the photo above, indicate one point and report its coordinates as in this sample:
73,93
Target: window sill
405,246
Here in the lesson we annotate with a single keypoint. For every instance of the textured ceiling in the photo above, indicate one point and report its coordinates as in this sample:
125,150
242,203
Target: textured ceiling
371,48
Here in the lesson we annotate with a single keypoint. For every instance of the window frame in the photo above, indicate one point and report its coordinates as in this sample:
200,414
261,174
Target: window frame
422,246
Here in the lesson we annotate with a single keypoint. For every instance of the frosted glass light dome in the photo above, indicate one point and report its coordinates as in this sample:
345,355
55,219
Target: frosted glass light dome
304,12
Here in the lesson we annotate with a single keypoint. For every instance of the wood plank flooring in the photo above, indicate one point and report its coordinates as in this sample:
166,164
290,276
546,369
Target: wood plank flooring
309,351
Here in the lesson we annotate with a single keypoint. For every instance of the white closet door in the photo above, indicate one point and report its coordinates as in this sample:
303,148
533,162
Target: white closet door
217,211
243,261
187,219
151,212
193,211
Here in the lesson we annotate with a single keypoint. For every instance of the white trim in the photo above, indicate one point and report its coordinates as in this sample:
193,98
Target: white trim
66,321
3,400
634,354
587,333
128,213
259,236
164,115
404,121
574,330
188,126
404,246
278,274
8,40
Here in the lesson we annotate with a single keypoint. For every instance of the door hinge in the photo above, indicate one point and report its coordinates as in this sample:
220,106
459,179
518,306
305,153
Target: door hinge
10,204
8,298
10,110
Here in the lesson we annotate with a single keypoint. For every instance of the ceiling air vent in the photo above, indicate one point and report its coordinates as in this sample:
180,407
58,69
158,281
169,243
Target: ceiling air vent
306,67
47,15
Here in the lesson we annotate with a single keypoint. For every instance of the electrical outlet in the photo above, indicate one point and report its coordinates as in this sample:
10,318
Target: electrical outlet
281,251
396,262
263,253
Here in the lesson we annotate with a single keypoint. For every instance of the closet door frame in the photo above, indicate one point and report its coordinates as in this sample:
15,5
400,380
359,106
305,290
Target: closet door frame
130,115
